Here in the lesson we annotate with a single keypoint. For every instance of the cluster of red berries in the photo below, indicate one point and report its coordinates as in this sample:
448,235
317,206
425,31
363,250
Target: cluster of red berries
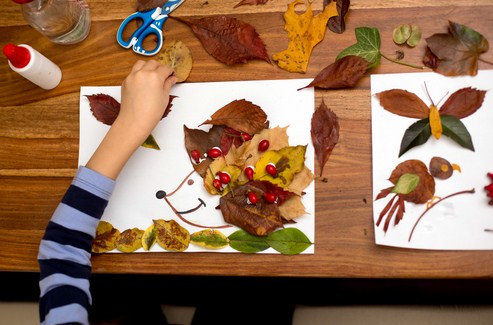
489,189
222,179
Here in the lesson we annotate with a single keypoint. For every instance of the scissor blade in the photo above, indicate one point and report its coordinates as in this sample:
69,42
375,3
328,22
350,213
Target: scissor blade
171,5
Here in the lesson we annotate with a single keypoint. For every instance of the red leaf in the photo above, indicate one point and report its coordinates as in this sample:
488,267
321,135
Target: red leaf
229,40
343,73
463,102
104,108
324,133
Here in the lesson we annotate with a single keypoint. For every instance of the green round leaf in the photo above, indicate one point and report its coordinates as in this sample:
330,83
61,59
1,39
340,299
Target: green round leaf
247,243
401,34
288,241
406,183
415,36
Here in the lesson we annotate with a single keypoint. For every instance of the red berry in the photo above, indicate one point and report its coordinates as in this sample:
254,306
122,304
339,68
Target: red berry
214,152
271,169
252,198
263,145
217,184
195,155
246,136
249,171
224,177
270,197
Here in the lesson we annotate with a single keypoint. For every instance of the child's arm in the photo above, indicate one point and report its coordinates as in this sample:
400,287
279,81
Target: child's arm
65,250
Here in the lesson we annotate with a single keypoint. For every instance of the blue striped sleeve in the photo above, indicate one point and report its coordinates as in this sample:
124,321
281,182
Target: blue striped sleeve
65,250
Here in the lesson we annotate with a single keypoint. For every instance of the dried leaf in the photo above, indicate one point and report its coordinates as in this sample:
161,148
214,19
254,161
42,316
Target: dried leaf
227,39
149,237
130,240
240,115
177,55
403,103
324,133
343,73
144,5
457,52
288,241
367,46
209,238
260,219
406,183
106,238
202,141
463,102
288,161
171,236
293,208
247,243
337,24
440,168
425,189
151,143
304,31
251,2
104,107
407,34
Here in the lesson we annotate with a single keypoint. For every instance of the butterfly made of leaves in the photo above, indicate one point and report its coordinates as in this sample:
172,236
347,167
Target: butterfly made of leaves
433,121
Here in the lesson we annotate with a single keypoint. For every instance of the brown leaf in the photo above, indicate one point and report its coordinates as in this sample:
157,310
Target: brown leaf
106,238
171,236
130,240
105,108
403,103
343,73
144,5
227,39
457,52
463,102
240,115
426,187
202,141
258,219
337,24
251,2
324,133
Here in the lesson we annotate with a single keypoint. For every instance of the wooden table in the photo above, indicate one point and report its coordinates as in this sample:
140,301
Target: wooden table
39,136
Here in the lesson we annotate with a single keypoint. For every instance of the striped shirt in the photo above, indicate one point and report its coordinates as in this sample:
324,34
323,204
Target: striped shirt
65,251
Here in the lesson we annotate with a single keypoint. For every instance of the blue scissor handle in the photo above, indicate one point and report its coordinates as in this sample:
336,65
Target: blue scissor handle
152,22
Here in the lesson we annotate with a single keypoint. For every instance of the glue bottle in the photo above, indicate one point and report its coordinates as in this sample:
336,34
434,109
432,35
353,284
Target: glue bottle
33,65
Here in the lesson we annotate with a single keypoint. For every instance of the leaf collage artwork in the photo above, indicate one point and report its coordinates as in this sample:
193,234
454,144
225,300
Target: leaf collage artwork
233,173
429,187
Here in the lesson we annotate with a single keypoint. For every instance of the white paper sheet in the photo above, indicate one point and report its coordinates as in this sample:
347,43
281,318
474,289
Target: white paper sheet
134,203
457,223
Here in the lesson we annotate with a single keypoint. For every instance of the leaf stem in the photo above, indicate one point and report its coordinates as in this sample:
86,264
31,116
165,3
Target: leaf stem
401,62
471,191
485,61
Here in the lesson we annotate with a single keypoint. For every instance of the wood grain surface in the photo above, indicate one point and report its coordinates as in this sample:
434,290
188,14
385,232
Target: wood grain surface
39,134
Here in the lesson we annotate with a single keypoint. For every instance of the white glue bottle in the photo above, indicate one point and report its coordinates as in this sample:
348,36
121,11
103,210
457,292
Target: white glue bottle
33,65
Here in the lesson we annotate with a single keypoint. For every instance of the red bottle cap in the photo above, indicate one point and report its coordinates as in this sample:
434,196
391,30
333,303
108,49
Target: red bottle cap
19,56
22,1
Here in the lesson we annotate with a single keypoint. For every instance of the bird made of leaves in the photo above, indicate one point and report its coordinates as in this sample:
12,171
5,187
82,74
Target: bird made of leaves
432,120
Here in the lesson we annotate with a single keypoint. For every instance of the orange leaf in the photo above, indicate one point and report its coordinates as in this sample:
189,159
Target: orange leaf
403,103
305,31
435,123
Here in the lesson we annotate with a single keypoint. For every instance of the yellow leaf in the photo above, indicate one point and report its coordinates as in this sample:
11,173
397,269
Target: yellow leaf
209,238
304,31
435,123
219,165
177,55
106,238
130,240
171,236
289,161
149,238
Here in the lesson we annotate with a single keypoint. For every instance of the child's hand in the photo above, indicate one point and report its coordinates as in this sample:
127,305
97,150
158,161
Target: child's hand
145,96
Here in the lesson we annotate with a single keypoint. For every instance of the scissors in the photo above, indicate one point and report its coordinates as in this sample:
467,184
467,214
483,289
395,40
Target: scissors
152,23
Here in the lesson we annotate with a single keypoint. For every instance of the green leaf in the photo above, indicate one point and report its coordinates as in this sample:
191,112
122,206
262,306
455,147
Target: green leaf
406,183
209,238
151,143
367,46
247,243
456,130
288,241
417,134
